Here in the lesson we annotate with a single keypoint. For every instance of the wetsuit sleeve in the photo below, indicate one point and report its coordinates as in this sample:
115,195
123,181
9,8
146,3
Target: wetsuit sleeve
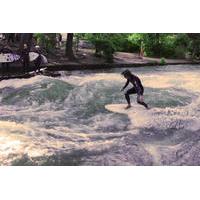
127,82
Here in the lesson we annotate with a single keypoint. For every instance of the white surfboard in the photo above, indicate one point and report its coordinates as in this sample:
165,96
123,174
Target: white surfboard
138,115
44,59
8,57
121,108
33,56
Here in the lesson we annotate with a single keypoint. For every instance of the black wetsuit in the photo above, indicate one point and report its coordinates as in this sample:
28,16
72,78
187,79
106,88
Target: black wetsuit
38,61
137,89
25,58
4,51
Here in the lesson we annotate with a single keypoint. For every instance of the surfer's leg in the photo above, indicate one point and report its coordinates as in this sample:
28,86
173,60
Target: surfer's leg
140,100
36,65
24,66
128,92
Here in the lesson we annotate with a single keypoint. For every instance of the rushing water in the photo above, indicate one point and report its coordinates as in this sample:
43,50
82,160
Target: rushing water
63,121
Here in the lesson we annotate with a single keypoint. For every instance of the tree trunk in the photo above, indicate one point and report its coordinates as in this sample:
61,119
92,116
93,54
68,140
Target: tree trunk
69,47
158,47
26,38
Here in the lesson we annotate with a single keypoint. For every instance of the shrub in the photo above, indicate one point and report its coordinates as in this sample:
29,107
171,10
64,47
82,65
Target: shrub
104,47
179,52
162,61
46,41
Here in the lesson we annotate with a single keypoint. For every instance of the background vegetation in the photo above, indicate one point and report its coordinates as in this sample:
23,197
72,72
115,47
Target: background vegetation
161,45
167,45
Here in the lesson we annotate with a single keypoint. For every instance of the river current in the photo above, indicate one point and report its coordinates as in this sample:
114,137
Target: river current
63,121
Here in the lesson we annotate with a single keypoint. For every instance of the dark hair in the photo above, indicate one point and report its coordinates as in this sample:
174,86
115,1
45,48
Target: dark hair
126,73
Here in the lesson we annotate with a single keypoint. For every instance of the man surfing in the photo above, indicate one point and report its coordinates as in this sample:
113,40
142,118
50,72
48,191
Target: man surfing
136,89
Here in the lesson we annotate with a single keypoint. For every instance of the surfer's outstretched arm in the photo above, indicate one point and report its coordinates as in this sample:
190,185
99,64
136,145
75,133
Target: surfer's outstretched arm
127,82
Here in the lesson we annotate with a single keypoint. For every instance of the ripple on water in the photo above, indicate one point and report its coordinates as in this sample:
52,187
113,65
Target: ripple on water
63,121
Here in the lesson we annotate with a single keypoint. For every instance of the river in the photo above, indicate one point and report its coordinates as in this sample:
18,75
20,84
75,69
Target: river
63,121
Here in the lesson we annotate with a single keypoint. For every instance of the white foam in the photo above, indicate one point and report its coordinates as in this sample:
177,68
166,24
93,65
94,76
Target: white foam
17,83
43,129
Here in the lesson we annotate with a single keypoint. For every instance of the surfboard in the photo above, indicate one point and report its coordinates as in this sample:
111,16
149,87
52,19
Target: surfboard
33,56
121,108
8,57
44,59
138,115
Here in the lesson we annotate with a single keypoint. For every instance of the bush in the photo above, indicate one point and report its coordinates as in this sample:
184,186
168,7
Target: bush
166,45
179,52
154,44
104,47
46,41
127,42
182,40
162,61
134,42
119,42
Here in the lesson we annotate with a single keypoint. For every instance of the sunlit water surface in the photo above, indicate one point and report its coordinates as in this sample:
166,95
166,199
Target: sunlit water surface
63,121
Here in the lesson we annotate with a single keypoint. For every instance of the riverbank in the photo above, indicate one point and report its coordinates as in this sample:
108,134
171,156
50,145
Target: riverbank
121,59
85,60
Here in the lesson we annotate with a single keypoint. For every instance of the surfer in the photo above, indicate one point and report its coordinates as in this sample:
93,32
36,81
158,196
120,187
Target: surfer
136,89
38,61
5,50
25,57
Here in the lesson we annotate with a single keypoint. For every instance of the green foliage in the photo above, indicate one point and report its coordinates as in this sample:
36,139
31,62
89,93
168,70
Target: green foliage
181,45
158,45
152,44
162,61
46,41
182,39
104,45
168,45
134,42
194,45
107,43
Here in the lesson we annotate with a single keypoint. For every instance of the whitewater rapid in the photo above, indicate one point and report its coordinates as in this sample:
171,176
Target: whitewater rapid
63,121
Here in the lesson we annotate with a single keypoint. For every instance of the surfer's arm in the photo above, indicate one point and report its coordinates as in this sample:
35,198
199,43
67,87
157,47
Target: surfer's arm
127,82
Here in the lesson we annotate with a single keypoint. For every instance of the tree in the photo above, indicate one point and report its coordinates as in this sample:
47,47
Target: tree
194,46
69,46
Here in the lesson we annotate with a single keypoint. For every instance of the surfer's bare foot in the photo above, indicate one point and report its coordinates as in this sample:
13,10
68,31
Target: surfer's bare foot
127,107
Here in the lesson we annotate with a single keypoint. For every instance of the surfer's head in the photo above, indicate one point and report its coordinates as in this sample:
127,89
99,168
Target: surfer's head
126,73
25,46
